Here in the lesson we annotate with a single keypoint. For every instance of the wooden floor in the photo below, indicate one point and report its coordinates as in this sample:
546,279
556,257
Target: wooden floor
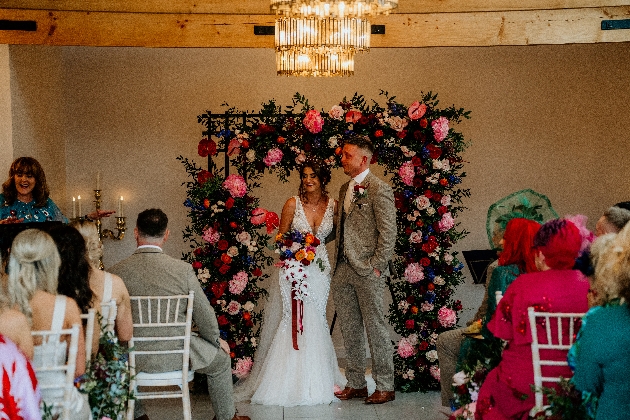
417,406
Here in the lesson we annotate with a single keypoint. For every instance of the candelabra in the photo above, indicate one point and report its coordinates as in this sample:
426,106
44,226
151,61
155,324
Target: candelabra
106,233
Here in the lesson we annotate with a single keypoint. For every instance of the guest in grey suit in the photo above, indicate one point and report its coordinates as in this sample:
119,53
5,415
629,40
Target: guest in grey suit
366,236
150,272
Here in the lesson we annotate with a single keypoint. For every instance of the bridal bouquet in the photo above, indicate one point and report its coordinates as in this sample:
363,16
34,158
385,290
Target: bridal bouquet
297,249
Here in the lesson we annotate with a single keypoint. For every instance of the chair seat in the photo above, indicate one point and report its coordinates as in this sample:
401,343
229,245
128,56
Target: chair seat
163,378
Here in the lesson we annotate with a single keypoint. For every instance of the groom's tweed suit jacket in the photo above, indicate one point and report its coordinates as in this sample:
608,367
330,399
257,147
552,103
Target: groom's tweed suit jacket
150,272
369,228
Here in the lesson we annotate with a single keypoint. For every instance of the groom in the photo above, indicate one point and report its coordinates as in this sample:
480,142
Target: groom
366,236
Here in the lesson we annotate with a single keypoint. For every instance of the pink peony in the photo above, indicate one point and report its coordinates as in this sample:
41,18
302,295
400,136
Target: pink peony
238,283
273,157
405,349
414,273
313,121
236,185
233,307
440,128
353,116
435,372
210,235
416,110
336,112
447,317
243,366
446,223
407,172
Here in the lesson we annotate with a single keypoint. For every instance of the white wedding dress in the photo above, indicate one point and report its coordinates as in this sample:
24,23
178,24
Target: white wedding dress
285,376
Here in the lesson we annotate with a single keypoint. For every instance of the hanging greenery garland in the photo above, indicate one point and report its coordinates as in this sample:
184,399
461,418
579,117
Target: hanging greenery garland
416,144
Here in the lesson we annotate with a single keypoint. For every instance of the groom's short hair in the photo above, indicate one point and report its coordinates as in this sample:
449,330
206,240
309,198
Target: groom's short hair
362,142
152,223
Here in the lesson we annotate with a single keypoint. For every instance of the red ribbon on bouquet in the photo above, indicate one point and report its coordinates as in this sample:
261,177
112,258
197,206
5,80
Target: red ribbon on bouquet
297,314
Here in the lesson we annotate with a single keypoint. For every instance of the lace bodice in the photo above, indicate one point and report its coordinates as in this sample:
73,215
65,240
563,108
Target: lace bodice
300,221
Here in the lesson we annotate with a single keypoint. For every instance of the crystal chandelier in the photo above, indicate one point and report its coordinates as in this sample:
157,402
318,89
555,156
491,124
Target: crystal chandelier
294,63
322,35
334,8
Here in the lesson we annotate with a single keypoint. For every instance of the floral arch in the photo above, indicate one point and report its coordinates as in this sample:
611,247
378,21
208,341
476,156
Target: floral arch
416,144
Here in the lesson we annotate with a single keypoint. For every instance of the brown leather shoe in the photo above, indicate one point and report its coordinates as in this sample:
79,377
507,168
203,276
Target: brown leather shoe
380,397
349,393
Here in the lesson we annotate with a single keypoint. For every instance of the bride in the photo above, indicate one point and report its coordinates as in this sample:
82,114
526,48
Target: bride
282,375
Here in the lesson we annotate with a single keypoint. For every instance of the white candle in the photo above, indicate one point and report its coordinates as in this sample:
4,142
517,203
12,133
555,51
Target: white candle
79,200
98,180
74,208
120,207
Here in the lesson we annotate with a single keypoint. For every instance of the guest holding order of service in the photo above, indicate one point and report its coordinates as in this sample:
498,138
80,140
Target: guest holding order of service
25,196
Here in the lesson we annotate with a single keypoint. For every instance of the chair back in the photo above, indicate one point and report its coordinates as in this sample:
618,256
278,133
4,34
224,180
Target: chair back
51,341
153,318
109,310
89,333
560,330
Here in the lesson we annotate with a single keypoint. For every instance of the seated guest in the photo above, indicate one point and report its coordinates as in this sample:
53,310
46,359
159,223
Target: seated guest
507,393
105,286
74,271
19,394
32,288
613,220
150,272
15,326
601,371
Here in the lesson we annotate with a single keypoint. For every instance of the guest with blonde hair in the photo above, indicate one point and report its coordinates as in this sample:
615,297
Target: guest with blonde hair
32,288
601,371
13,323
105,286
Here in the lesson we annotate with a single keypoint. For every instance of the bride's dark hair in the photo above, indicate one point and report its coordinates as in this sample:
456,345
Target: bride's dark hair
321,171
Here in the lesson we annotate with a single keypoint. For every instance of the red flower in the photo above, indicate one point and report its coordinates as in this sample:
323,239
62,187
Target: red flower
233,225
231,344
229,203
424,123
413,310
197,265
226,259
401,134
204,176
217,263
264,129
222,320
207,147
411,299
223,245
218,288
206,202
410,324
245,144
281,140
416,161
249,323
224,268
423,346
257,272
425,262
431,287
444,182
429,247
363,120
198,251
436,197
378,133
419,223
246,316
232,355
428,193
417,182
434,151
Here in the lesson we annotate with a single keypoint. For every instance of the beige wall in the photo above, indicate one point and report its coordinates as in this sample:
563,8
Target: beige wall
551,118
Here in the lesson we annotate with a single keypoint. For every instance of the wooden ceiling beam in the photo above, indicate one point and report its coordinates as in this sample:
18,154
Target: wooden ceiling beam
261,7
582,25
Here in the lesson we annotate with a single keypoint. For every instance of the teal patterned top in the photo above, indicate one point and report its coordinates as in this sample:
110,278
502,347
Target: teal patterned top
27,211
601,361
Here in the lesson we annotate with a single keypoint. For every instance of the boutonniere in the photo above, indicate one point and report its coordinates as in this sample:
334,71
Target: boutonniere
360,191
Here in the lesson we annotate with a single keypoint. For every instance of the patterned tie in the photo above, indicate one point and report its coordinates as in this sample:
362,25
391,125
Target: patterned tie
348,198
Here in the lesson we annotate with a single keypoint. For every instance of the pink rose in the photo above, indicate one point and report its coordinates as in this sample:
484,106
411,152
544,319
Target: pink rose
416,110
435,372
414,273
405,349
447,317
211,236
233,307
300,158
236,185
243,367
273,157
238,283
446,223
407,173
353,116
336,112
440,128
313,121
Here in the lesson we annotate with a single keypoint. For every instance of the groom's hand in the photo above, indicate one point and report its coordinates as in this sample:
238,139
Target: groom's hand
224,346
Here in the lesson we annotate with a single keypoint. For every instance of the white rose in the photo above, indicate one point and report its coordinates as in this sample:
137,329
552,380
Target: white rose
448,258
422,202
460,378
397,123
333,141
438,280
446,200
336,112
407,152
415,237
250,155
232,251
244,238
432,356
430,211
248,306
411,217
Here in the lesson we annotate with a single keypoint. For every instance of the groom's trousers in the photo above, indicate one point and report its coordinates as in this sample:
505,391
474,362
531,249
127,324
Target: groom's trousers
358,302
